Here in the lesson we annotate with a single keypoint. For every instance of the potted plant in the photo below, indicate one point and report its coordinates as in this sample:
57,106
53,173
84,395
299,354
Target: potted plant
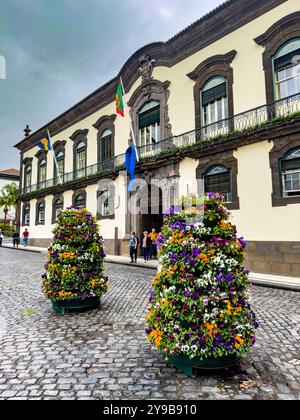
199,315
74,278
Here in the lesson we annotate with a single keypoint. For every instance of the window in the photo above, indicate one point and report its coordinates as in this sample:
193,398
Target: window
58,208
80,158
27,178
214,101
42,172
80,201
60,158
286,64
290,165
41,213
106,146
105,204
218,180
149,123
26,215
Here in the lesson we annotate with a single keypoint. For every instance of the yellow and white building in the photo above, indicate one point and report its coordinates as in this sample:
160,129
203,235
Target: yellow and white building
220,101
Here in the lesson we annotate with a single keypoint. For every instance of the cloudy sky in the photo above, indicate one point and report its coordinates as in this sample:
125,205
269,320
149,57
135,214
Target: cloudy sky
57,53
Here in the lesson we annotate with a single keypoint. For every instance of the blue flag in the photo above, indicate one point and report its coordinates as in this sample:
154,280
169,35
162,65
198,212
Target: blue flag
130,162
45,143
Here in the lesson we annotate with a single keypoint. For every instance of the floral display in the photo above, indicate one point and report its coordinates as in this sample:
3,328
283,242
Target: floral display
75,267
198,304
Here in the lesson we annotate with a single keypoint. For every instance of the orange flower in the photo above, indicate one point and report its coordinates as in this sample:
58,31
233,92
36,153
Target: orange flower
237,346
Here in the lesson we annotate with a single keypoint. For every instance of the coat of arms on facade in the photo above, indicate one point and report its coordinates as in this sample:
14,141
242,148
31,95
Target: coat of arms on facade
146,68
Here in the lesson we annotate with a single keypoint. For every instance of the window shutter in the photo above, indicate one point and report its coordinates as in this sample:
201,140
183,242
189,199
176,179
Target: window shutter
289,165
150,117
286,60
214,94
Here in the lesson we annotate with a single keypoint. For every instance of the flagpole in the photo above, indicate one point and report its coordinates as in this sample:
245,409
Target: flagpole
55,160
130,122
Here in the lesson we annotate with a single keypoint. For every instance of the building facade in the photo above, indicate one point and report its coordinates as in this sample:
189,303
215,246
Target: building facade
219,102
9,176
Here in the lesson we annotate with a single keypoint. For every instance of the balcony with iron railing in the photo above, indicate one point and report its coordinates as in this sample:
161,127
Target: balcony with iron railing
250,120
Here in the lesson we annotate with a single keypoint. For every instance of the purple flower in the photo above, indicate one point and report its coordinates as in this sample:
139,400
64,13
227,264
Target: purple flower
205,302
151,296
229,277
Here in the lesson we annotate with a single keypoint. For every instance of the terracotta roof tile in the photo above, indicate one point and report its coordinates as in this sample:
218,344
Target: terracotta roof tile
13,172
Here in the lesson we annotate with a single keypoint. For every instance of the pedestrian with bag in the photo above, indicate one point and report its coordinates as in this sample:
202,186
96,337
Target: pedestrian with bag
133,243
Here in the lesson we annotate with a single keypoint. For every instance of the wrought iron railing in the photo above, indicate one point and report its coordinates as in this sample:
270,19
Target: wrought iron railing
254,118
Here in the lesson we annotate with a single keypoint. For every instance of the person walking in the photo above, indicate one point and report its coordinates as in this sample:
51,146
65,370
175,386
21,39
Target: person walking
1,237
146,242
153,248
16,239
25,237
133,243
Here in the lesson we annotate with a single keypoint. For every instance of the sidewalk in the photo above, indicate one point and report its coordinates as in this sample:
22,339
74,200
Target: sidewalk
259,279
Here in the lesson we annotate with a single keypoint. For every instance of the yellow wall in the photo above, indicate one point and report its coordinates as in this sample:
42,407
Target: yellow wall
257,219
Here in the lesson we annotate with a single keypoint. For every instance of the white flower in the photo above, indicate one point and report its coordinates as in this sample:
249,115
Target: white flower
194,348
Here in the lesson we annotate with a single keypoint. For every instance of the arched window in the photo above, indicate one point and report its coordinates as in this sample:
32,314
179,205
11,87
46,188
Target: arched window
80,158
286,64
42,173
26,215
106,151
80,201
217,179
41,213
58,208
60,158
27,178
149,123
214,101
290,166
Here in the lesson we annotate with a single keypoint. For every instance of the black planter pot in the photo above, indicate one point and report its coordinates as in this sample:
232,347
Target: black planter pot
186,365
76,305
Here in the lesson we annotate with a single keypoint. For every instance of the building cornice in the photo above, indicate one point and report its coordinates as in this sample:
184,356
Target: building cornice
222,21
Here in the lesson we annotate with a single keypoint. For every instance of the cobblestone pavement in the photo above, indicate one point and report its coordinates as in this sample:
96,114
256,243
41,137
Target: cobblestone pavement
103,354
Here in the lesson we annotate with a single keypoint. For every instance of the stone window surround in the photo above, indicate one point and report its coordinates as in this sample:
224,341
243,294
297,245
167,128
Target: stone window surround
151,90
59,146
55,198
76,193
218,65
40,201
282,146
25,204
27,162
100,216
228,160
104,123
41,155
77,137
275,37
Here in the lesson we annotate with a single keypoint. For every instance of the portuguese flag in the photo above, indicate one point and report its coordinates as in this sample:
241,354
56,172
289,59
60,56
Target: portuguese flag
120,100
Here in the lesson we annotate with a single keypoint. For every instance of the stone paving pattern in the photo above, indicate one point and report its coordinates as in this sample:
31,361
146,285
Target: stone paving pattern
103,354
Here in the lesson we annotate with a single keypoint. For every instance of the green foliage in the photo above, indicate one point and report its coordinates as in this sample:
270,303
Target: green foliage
199,302
75,267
